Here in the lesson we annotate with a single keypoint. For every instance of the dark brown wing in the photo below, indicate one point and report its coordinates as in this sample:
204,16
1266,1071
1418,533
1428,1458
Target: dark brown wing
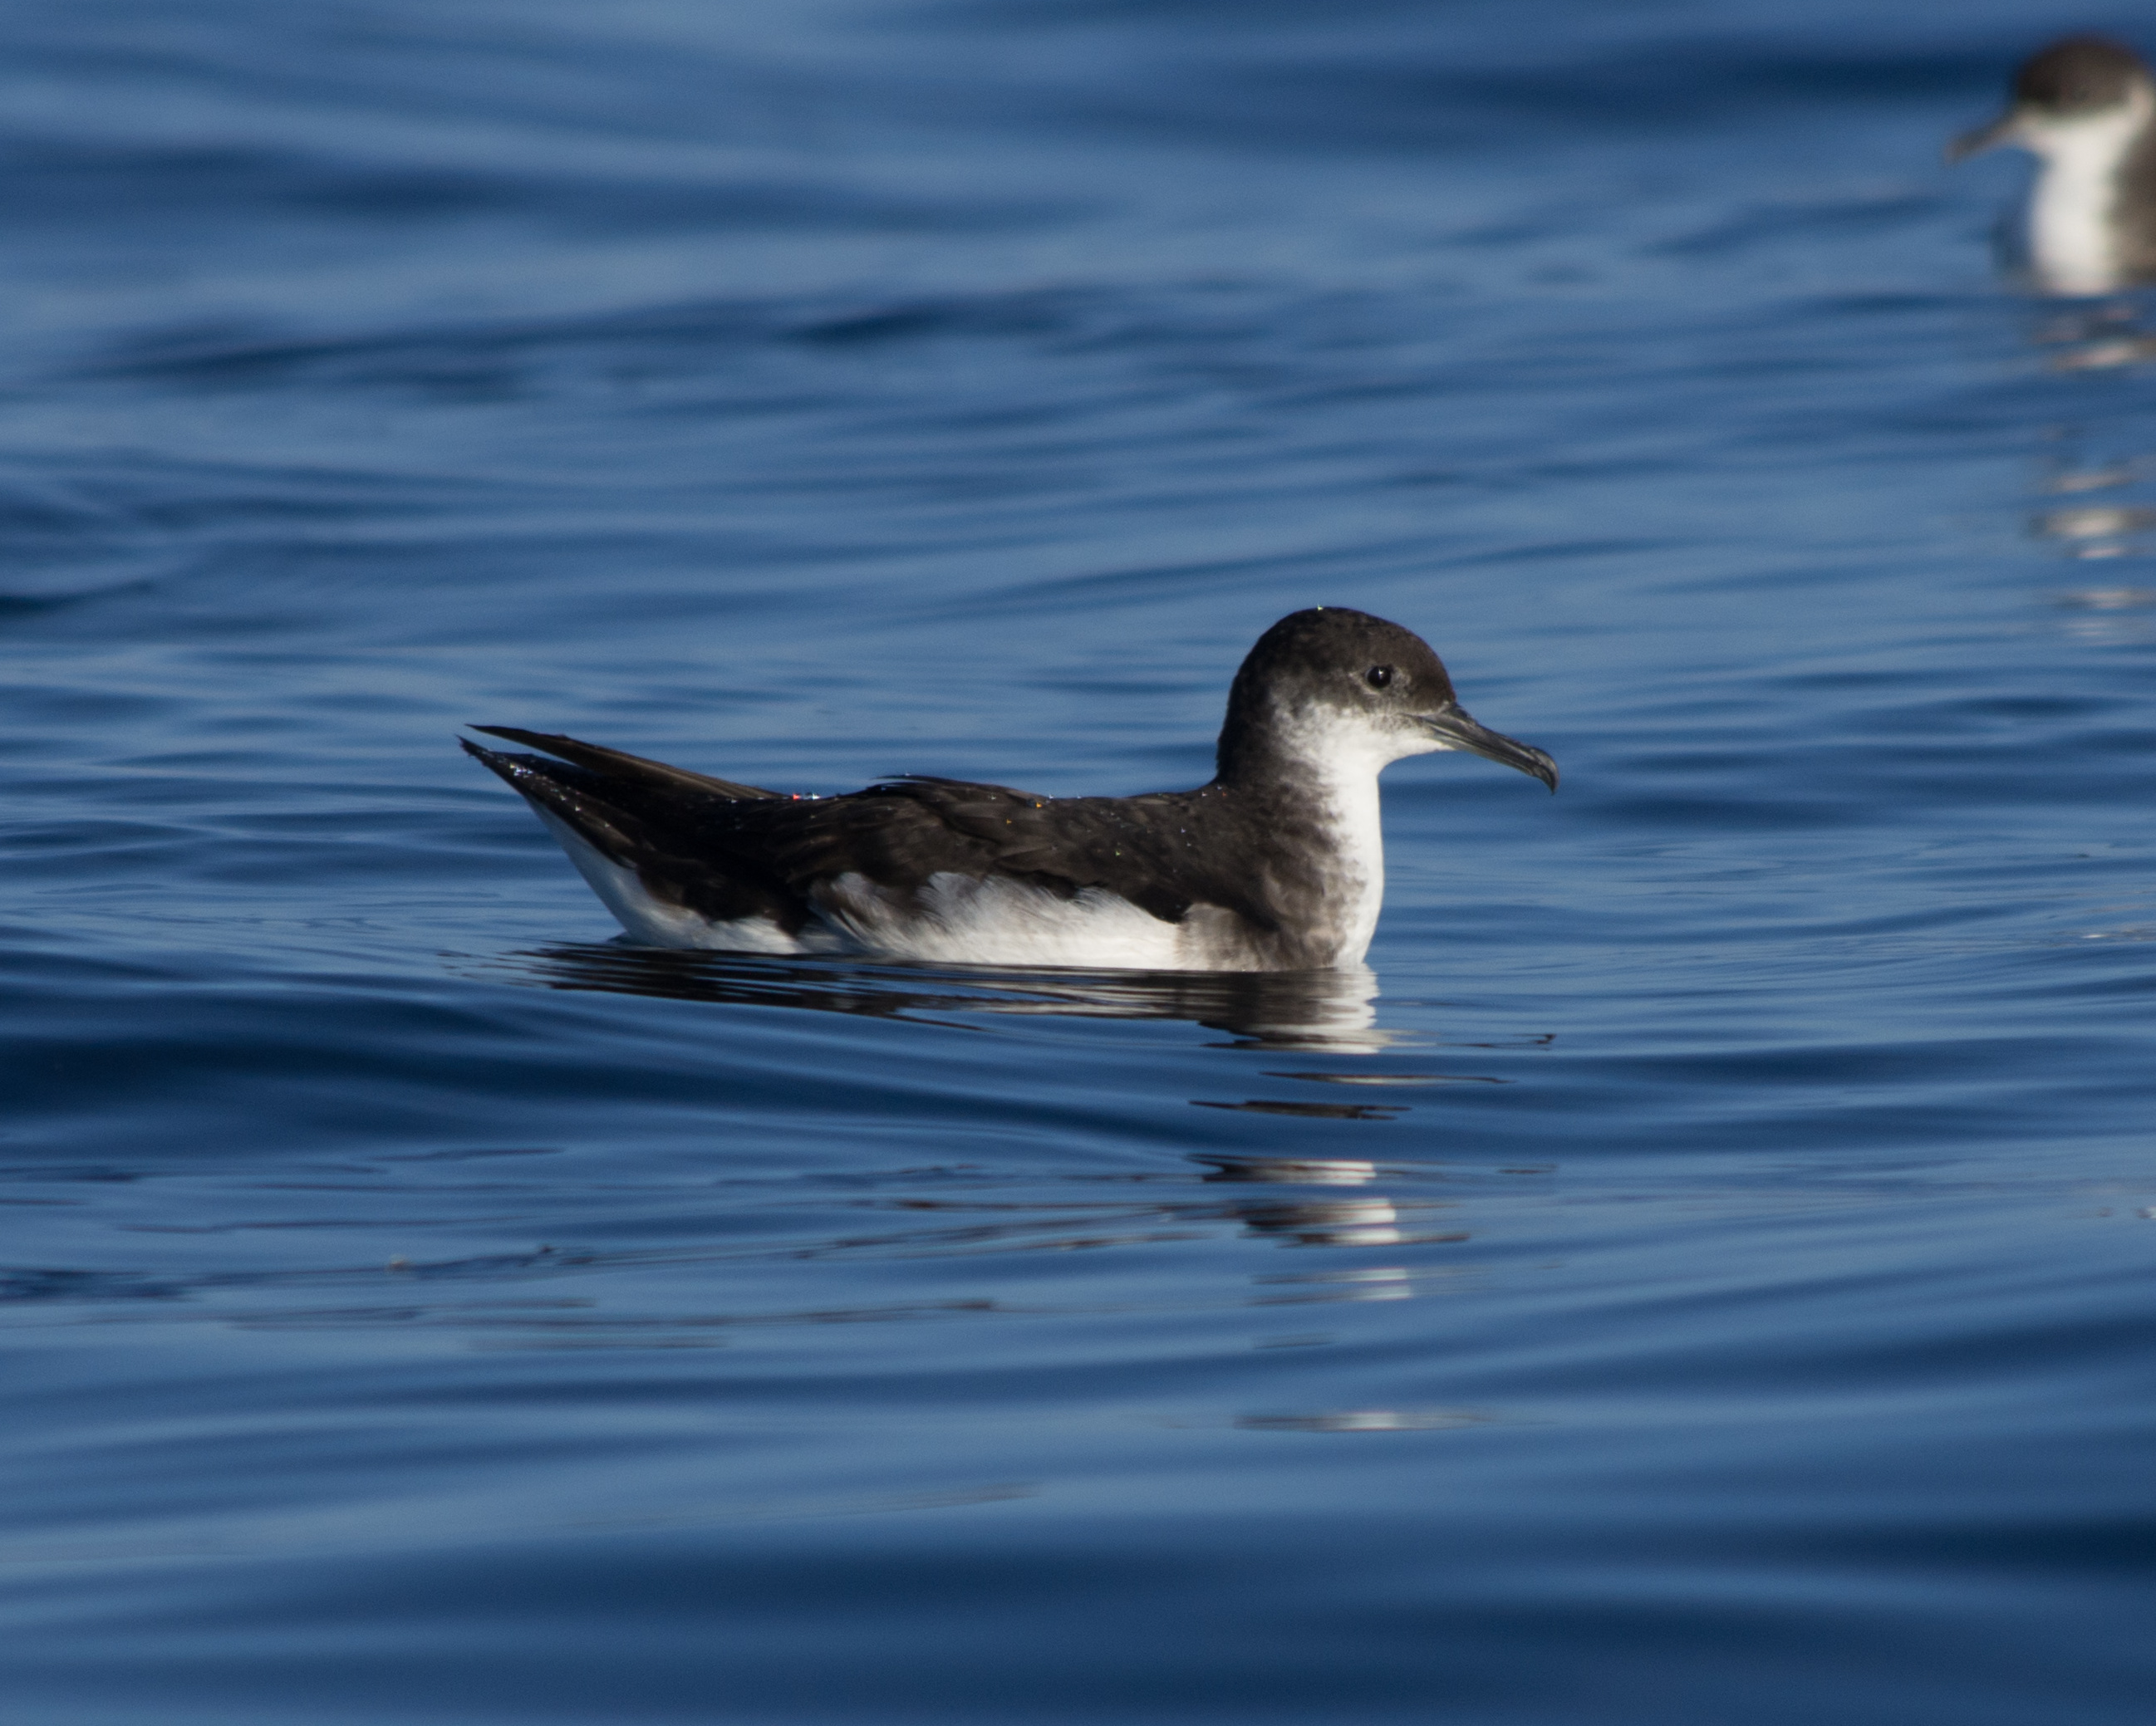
762,855
614,763
651,824
1144,849
2136,200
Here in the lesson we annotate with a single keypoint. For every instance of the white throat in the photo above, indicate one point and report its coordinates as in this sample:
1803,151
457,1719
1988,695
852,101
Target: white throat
2073,243
1342,755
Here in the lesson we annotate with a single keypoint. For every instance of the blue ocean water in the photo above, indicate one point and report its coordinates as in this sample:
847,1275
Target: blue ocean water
1710,1279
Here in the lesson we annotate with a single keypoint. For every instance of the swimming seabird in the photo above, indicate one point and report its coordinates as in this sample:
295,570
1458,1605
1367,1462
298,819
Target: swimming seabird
1276,864
2084,106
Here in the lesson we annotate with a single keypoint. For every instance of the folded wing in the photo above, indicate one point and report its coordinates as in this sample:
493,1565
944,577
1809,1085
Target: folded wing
726,851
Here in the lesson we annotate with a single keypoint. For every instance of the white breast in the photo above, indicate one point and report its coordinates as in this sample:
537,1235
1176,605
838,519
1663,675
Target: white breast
1358,830
1343,755
2072,242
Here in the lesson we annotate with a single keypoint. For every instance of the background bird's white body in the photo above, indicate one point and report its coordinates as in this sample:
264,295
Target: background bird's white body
2073,232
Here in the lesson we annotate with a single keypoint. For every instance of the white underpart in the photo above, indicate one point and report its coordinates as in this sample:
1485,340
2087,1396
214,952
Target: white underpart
1343,752
957,919
2072,242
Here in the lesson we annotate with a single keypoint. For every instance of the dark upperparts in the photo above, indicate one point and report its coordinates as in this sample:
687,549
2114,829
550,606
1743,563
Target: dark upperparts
726,858
2078,75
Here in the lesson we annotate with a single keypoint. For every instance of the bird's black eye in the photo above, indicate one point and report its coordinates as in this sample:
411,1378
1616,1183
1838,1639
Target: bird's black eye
1378,676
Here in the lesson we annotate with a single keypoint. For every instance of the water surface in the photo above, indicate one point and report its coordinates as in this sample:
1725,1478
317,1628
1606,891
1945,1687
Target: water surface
1701,1273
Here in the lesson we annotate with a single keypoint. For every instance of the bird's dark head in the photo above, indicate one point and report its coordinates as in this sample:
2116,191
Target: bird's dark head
1341,691
2069,93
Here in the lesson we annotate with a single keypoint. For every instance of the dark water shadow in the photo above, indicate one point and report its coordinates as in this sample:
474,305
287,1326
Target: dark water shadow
1334,1010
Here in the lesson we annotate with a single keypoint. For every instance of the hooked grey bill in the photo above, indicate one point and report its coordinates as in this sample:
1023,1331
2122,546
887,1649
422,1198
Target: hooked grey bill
1460,730
2000,130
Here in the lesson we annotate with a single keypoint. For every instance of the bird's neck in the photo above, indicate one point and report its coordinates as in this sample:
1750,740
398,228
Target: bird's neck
1315,797
2073,235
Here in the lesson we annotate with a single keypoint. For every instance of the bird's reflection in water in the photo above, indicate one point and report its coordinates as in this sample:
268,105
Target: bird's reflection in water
1328,1012
1334,1010
1368,1419
2110,616
1369,1219
2114,612
2101,511
2102,337
2096,530
1366,1221
2092,511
